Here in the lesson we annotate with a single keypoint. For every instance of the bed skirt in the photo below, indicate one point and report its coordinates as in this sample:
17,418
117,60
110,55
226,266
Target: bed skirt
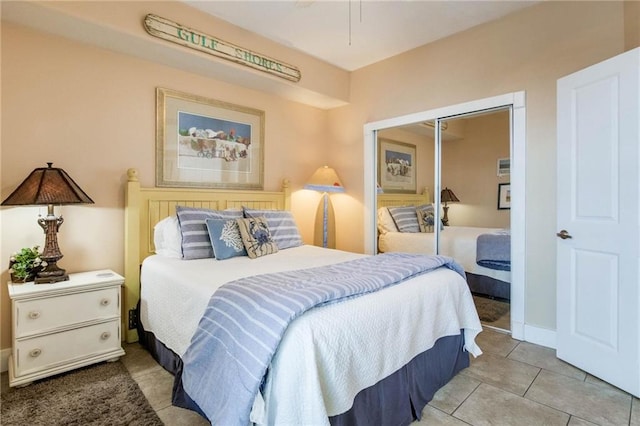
404,393
481,284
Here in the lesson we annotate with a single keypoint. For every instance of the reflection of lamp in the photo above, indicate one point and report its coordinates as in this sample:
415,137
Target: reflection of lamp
325,179
49,186
447,196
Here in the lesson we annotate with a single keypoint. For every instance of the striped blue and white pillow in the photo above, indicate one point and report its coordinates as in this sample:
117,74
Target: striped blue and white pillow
406,218
282,225
196,243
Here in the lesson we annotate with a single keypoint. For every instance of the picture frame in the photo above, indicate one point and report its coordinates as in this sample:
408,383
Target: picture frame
396,166
504,196
504,166
207,143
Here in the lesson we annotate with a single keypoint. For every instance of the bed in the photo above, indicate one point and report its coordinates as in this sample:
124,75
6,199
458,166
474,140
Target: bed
459,242
362,360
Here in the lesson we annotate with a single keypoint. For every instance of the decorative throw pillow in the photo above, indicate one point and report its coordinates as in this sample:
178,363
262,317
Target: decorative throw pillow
193,228
426,219
282,225
256,237
406,218
167,239
385,221
225,238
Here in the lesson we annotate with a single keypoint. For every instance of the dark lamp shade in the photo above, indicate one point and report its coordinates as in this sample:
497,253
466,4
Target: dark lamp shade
447,196
47,185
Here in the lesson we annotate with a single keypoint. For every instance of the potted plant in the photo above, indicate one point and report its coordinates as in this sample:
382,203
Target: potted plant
25,264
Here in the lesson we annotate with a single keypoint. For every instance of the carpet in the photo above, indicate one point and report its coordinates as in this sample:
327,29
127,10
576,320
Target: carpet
489,310
102,394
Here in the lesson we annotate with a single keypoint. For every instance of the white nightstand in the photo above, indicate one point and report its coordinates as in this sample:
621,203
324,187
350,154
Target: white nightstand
62,326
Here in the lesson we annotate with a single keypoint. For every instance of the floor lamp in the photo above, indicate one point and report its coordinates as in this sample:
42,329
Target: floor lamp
325,180
447,196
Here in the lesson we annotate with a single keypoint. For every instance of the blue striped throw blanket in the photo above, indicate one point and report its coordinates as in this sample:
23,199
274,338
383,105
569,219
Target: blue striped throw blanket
245,320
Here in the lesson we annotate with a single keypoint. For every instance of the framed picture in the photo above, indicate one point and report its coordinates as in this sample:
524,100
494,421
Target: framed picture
202,142
504,166
396,166
504,196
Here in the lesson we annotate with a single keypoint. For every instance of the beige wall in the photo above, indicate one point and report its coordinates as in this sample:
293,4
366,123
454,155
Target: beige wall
92,112
526,51
469,168
631,24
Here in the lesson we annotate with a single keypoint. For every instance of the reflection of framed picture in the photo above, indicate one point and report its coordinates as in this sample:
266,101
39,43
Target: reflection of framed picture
396,166
504,166
206,143
504,196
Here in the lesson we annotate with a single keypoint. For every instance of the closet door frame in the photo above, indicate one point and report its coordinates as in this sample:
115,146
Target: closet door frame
516,101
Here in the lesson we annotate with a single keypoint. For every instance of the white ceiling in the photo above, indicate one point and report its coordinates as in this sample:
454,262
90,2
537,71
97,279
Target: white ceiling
354,33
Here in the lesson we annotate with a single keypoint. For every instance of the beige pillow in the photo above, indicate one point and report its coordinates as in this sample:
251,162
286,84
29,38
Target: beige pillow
256,237
385,221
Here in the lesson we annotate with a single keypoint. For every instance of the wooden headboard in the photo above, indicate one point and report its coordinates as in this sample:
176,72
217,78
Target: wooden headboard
144,207
396,200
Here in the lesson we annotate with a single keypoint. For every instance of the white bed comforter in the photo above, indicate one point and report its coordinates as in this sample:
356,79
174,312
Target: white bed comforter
321,364
458,242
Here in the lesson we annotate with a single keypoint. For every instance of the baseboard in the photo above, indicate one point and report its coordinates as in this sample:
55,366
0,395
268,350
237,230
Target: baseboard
4,359
540,336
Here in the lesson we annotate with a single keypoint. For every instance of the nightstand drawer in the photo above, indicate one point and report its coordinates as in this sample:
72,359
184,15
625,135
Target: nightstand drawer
42,315
50,351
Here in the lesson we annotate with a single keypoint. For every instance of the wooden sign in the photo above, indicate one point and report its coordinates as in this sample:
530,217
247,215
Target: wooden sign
185,36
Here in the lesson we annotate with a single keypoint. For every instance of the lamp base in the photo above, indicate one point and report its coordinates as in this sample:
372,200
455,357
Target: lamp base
51,254
324,230
445,218
51,274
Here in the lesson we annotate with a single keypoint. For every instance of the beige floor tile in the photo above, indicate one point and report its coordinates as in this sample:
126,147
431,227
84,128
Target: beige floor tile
591,402
433,417
495,342
512,376
542,357
138,361
577,421
597,381
635,412
489,405
176,416
451,395
157,387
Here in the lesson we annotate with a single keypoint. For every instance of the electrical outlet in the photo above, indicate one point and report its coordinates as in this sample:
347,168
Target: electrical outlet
133,319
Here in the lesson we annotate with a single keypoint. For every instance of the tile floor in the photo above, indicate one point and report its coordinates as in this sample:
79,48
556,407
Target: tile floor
512,383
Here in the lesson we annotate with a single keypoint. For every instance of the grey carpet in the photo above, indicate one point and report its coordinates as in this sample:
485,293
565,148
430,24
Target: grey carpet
489,310
102,394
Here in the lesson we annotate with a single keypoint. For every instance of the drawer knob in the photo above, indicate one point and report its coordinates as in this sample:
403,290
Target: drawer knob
35,353
34,314
105,335
105,302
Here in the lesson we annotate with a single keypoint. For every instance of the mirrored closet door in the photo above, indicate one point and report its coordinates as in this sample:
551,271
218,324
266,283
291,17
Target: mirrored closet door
465,161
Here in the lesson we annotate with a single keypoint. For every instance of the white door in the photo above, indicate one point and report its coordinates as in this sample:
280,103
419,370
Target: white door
598,252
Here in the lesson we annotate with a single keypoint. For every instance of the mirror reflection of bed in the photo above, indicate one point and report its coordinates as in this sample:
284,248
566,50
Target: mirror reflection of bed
478,226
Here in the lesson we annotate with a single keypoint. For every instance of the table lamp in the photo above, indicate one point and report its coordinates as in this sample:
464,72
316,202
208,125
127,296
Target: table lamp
325,180
447,196
49,186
